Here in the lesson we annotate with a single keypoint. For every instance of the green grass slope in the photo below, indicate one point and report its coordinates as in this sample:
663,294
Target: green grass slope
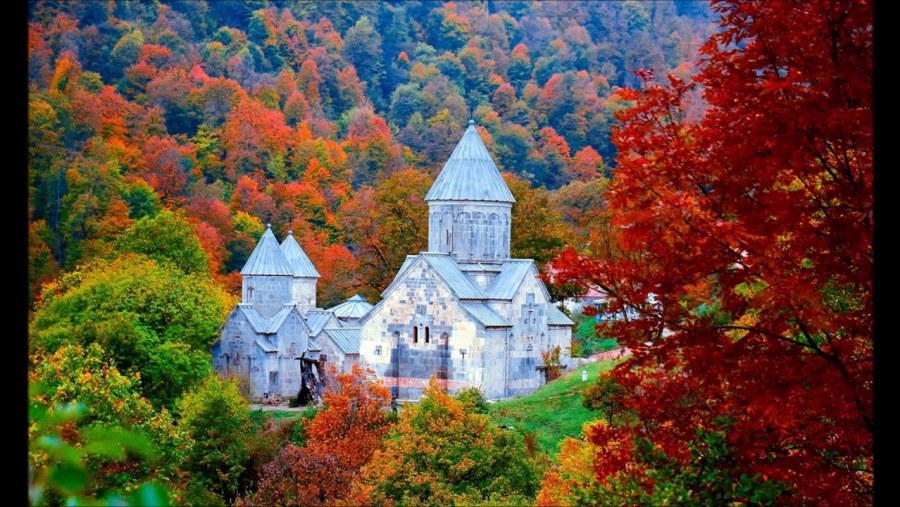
554,411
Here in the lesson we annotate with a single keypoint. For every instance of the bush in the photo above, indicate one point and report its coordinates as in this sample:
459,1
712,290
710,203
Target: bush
552,366
467,458
605,395
64,451
76,375
217,417
473,398
343,435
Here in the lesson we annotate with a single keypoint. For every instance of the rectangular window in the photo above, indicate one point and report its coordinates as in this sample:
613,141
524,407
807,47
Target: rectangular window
415,334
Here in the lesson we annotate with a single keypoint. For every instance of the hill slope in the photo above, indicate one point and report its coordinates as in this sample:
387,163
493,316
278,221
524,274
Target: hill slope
554,411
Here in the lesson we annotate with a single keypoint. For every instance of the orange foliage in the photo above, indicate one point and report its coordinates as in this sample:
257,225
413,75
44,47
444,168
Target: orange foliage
212,244
249,198
252,137
341,439
585,165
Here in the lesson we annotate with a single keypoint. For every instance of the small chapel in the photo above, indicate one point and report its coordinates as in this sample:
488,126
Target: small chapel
463,312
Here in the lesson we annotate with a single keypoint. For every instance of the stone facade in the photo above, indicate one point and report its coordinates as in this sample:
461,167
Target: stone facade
407,337
471,232
464,312
267,293
273,336
271,360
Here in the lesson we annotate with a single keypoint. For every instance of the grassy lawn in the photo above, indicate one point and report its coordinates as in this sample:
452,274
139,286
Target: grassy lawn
552,412
258,417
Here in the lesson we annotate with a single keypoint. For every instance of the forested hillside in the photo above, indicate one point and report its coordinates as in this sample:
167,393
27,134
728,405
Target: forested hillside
706,169
327,118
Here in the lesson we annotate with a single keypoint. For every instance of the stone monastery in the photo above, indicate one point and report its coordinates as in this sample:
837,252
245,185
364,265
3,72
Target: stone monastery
463,311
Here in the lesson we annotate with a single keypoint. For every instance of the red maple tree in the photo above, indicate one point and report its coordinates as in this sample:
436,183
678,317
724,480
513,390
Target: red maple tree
743,278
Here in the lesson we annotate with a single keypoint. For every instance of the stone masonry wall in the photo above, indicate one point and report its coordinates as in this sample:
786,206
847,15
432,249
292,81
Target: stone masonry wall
471,231
529,337
423,301
237,353
303,293
266,293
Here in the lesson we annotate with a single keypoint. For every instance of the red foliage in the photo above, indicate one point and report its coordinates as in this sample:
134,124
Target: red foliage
165,165
249,198
585,165
341,439
212,244
746,249
212,211
253,136
104,112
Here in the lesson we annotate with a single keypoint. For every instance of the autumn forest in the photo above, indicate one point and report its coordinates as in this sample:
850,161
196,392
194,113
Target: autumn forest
706,167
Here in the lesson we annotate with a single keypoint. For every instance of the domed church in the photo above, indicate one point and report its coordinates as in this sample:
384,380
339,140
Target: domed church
463,312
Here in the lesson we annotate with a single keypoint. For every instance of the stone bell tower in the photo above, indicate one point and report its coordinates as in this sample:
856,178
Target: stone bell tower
470,207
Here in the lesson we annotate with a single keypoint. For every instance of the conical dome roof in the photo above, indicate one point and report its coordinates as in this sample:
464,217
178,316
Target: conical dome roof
300,263
353,308
470,174
267,258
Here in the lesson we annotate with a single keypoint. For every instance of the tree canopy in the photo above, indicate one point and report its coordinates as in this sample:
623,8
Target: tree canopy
744,251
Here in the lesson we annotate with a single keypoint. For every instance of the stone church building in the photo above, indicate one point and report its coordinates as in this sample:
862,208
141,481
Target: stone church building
463,311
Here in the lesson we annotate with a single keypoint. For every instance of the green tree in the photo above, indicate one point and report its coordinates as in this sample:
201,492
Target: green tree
605,395
166,238
141,199
148,318
216,416
77,397
126,51
442,452
362,48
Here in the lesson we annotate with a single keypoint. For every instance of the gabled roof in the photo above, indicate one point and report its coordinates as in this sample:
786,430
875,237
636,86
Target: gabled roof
470,174
316,320
507,282
555,317
448,271
484,314
410,259
266,326
353,308
347,339
299,262
375,309
267,258
313,345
